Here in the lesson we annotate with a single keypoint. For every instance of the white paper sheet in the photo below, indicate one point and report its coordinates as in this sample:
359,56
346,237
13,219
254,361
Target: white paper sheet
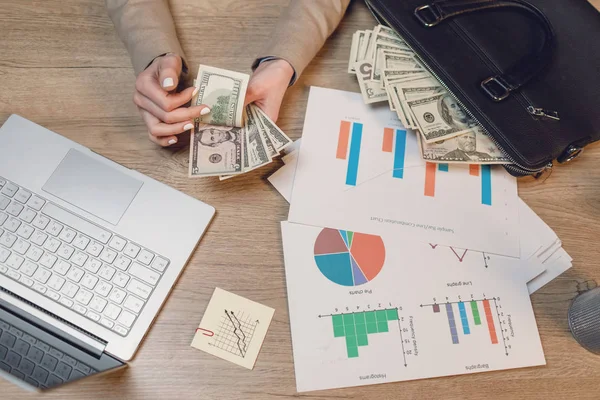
425,323
446,208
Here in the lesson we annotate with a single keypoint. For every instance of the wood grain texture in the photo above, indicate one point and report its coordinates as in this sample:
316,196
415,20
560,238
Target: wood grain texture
63,67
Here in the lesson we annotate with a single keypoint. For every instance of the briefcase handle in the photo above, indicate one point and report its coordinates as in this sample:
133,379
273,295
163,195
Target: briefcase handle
497,87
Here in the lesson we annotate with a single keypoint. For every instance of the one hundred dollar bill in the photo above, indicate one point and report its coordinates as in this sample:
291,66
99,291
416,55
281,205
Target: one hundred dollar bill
363,45
440,117
412,90
474,147
216,150
399,61
280,140
224,93
381,50
371,91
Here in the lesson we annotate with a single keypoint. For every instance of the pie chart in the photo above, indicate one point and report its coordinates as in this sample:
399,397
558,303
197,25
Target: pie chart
349,258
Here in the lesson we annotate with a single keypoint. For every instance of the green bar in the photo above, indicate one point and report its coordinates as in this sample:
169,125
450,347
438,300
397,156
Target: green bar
475,312
392,314
338,320
352,352
382,326
380,315
362,340
350,329
370,317
338,331
361,329
351,341
359,318
348,319
372,328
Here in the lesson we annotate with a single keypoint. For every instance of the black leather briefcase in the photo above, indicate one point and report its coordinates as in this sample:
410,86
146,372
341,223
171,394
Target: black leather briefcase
527,71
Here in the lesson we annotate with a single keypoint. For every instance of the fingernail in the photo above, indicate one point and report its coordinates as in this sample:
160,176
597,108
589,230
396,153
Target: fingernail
187,127
205,111
195,92
168,82
172,141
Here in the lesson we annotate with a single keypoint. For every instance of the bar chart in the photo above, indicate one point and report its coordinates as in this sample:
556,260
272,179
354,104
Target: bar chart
483,171
481,318
356,327
348,148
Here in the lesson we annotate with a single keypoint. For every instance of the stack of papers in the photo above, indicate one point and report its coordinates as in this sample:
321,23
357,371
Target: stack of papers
410,265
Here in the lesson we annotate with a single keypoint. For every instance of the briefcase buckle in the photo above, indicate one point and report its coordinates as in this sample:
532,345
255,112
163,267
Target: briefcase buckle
494,88
571,153
427,16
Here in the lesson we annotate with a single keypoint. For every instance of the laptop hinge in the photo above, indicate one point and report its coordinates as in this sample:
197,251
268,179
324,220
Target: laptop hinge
51,323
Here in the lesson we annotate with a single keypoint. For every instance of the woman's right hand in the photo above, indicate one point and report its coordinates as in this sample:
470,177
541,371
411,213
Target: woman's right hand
162,109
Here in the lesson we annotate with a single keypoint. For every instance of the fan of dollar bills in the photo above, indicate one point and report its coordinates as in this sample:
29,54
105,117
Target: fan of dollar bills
388,71
231,139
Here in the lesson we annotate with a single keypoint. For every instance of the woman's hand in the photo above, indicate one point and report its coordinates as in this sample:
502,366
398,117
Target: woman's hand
161,107
268,84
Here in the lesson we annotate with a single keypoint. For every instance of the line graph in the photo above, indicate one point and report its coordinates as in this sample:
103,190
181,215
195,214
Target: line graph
235,332
461,257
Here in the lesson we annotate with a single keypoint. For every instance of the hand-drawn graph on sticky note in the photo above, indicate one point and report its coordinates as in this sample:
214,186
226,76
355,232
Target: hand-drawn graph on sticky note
233,328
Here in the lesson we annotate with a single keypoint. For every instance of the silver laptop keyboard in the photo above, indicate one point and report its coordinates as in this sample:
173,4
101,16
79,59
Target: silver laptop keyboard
75,263
35,361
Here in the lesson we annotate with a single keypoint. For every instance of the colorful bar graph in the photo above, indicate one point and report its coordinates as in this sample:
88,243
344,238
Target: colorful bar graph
474,169
388,140
436,308
356,327
463,318
475,311
443,167
452,323
343,138
430,179
399,154
353,157
490,321
486,185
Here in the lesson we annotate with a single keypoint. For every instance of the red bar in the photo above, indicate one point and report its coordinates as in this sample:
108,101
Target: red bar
388,140
490,321
430,179
474,169
342,149
436,308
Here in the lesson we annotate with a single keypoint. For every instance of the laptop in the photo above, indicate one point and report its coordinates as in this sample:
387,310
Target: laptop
89,251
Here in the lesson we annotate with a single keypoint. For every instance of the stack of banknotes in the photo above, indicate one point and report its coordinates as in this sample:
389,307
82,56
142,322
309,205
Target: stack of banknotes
389,71
231,139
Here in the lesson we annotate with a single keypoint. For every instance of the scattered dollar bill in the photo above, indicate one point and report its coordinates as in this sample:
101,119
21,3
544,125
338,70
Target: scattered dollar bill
356,39
258,155
224,93
279,139
474,147
372,91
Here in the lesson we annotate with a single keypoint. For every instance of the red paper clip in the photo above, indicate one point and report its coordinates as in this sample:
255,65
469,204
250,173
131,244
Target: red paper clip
205,332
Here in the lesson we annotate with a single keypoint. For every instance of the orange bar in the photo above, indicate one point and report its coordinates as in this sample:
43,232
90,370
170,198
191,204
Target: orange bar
490,321
388,140
430,179
474,169
342,149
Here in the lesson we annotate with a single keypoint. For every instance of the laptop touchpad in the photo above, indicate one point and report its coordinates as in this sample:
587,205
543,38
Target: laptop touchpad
93,186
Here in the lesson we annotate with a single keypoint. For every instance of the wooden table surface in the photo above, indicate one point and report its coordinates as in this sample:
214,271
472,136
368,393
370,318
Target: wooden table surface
63,66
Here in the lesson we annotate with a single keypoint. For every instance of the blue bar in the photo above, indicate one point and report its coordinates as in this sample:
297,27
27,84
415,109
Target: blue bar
443,167
399,153
452,323
356,140
486,185
463,318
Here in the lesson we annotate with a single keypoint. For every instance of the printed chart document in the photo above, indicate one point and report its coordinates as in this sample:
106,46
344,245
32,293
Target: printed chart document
367,309
233,328
360,169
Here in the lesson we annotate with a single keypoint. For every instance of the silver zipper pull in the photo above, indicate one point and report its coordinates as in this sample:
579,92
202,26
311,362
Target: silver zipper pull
540,112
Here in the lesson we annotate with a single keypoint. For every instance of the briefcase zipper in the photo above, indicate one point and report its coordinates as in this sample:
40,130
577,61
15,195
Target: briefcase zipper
515,166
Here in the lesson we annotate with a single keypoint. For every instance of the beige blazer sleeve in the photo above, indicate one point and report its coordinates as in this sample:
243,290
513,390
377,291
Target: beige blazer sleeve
302,30
146,28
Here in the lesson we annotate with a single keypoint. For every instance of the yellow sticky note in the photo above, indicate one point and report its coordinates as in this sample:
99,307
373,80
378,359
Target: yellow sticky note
233,328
